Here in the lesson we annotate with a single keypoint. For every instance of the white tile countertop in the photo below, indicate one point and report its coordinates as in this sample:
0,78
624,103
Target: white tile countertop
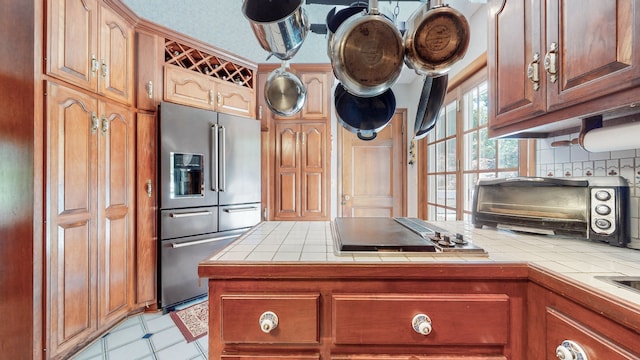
577,259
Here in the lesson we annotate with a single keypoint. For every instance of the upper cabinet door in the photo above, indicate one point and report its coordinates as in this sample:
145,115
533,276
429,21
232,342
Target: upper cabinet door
185,87
91,46
593,47
73,41
515,52
116,56
235,99
318,85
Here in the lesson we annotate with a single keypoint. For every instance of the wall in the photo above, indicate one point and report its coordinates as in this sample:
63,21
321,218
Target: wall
574,161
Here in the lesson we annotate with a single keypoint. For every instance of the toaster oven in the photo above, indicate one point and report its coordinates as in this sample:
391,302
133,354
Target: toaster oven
595,208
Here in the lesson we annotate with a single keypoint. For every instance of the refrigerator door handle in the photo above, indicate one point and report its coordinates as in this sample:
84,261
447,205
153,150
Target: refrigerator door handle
213,151
223,159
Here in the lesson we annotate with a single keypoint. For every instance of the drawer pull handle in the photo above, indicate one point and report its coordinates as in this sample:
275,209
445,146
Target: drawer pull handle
421,324
570,350
268,321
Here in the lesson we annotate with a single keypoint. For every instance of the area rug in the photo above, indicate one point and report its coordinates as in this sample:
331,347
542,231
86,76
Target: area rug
192,321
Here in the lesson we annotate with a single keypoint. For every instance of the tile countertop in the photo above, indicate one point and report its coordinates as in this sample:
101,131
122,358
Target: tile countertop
577,259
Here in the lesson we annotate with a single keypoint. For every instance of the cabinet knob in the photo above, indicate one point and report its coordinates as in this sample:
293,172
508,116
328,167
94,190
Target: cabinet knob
421,324
268,321
570,350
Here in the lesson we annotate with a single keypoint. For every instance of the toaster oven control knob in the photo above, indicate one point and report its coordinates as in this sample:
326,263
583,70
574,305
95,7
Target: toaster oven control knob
603,224
603,210
603,195
268,321
421,324
570,350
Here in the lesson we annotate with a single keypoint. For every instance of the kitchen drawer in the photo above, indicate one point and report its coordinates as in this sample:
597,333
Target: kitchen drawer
473,319
239,216
297,318
270,357
186,222
560,327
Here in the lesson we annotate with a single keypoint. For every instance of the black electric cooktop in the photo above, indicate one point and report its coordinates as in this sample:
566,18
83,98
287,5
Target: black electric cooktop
397,235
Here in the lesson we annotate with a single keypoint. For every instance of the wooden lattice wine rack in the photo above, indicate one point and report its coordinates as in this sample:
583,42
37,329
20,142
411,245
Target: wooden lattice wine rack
187,57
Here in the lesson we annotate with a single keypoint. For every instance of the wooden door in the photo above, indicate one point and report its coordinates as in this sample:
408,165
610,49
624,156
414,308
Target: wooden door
597,52
514,45
313,169
146,209
235,99
287,171
116,56
73,41
72,170
115,212
373,172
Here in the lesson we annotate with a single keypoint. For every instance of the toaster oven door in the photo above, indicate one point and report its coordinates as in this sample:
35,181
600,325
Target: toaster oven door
549,205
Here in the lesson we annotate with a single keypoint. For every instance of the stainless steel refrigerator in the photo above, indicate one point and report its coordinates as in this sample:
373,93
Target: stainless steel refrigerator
210,193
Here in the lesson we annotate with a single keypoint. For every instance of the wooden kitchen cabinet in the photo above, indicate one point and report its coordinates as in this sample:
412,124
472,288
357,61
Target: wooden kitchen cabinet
553,60
346,311
186,87
317,80
149,55
559,311
90,45
90,164
146,210
301,171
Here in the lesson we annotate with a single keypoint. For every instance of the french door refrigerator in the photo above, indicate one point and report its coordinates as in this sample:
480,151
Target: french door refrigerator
210,193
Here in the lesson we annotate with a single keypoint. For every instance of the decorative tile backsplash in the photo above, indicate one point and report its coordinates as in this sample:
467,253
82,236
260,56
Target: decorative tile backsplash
568,161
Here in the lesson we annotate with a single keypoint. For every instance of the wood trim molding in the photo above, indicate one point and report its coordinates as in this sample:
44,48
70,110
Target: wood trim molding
468,71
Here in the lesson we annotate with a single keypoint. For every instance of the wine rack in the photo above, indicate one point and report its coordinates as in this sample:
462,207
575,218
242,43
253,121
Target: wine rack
187,57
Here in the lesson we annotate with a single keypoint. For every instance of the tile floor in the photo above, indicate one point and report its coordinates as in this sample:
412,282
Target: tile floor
147,336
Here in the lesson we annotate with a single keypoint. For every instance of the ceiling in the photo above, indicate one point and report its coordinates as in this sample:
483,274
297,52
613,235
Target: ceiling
222,23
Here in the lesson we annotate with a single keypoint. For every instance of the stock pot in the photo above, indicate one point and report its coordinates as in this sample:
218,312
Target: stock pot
364,116
280,26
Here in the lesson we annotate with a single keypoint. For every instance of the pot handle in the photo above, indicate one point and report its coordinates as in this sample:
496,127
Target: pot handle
367,138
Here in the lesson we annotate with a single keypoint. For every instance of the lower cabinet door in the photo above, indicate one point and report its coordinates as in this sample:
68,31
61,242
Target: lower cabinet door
561,328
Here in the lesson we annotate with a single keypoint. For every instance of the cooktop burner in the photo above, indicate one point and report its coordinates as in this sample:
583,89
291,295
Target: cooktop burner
398,235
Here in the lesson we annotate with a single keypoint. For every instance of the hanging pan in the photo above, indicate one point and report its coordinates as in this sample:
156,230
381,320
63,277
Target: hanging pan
367,53
284,92
364,116
280,26
435,39
432,96
335,19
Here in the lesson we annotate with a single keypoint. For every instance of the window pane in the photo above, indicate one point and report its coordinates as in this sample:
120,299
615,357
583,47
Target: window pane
508,153
483,105
431,155
471,113
441,189
440,156
451,154
469,186
487,158
451,119
431,185
451,191
439,128
450,215
471,151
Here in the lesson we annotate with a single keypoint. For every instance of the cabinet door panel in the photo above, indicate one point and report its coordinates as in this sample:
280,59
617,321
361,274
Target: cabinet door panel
73,41
116,56
149,53
72,159
115,241
146,209
183,86
235,99
513,43
318,85
560,327
313,170
597,52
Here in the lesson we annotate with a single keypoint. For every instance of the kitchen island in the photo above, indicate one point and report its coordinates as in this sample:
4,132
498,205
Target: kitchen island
283,291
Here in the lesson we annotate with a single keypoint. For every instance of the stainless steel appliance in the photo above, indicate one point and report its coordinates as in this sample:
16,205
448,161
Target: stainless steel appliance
210,192
595,208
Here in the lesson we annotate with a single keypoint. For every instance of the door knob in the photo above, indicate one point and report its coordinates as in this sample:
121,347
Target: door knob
345,198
